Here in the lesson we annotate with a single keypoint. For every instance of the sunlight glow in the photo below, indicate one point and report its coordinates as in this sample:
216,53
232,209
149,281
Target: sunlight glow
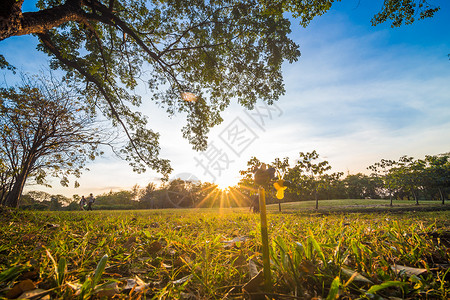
228,197
226,182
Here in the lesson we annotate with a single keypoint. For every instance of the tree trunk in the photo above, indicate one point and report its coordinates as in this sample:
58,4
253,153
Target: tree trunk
317,200
13,196
279,205
415,198
12,199
390,197
442,196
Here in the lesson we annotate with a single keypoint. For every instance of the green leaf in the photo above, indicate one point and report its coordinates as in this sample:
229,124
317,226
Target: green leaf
99,270
384,285
11,273
61,270
318,249
334,289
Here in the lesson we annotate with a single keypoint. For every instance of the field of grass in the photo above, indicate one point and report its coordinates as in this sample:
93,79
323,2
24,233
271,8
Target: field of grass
216,254
351,205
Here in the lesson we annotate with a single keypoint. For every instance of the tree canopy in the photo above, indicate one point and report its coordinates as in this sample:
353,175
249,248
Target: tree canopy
43,130
212,51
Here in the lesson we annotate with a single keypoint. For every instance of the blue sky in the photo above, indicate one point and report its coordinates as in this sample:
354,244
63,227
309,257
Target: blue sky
357,94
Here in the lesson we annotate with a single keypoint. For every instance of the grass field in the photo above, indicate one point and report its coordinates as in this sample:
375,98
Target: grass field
372,252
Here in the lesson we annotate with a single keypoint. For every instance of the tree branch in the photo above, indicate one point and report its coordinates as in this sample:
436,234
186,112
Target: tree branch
109,18
18,23
72,64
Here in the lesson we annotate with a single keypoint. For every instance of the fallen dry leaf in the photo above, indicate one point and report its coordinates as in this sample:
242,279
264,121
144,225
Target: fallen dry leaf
357,277
19,288
252,268
108,290
231,243
255,283
408,270
130,242
35,294
154,247
182,280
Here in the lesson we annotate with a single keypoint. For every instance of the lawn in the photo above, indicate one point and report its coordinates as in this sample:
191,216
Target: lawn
216,254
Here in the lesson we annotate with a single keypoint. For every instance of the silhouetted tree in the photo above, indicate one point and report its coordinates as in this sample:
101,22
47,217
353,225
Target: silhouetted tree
43,130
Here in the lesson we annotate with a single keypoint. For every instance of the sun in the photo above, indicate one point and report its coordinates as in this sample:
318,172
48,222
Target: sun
224,183
223,194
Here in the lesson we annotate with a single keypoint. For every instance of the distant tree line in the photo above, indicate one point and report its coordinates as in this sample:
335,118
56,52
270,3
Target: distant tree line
176,193
310,177
406,178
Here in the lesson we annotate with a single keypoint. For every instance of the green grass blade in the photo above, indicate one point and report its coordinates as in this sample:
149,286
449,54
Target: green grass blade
99,270
375,288
11,273
334,289
61,270
318,249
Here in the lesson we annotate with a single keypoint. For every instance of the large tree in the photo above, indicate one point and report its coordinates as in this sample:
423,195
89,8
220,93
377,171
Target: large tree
43,130
195,56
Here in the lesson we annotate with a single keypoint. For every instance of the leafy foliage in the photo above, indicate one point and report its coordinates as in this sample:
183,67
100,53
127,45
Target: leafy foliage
404,12
44,130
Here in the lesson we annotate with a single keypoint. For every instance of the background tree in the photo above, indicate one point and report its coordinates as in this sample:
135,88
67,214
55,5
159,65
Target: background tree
38,200
438,173
309,165
116,200
330,184
206,194
147,196
44,130
410,174
381,170
178,193
209,52
361,186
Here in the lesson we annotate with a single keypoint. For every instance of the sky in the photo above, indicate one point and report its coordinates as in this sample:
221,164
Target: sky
356,95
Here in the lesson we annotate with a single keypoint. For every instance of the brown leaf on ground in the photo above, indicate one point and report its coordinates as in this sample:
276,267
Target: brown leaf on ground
35,294
154,247
138,271
51,226
130,242
19,288
137,285
14,292
409,271
239,260
252,268
355,276
239,239
108,291
255,283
